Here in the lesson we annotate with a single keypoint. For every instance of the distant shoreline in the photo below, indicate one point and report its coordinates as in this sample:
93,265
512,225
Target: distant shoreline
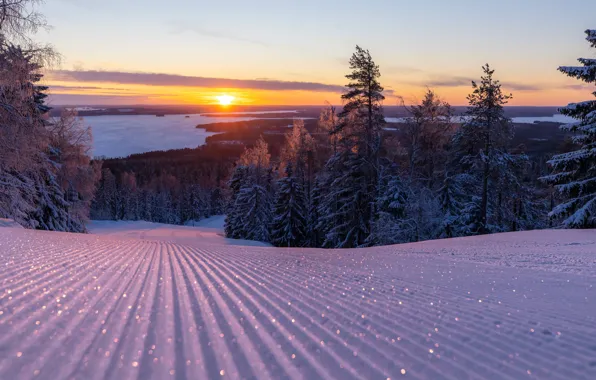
265,112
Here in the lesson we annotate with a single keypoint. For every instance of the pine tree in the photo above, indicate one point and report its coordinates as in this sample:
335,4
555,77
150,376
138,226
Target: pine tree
481,148
352,170
574,173
288,228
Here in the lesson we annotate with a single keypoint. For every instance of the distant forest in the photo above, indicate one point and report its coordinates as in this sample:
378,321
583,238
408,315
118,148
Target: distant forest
345,178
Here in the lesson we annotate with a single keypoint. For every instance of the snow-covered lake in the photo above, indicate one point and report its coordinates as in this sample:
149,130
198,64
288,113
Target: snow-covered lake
122,135
557,118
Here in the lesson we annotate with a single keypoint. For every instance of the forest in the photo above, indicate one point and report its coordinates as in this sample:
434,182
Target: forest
345,180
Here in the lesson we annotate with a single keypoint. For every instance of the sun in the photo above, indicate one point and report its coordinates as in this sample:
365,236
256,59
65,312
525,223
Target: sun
225,100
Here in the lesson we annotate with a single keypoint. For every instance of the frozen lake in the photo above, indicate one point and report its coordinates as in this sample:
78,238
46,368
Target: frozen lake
557,118
123,135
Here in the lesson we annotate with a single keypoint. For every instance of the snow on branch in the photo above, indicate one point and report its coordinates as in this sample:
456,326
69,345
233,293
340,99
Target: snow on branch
587,73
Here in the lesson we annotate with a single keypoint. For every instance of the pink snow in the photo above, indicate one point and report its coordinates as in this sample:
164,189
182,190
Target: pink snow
140,301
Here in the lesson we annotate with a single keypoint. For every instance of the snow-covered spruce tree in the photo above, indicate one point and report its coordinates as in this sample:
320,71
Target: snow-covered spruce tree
106,201
393,222
233,223
313,232
481,149
249,216
22,134
574,173
288,228
253,205
29,188
456,204
37,162
353,187
217,201
346,205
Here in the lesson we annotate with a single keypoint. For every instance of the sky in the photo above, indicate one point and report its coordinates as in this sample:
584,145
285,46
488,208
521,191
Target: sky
289,52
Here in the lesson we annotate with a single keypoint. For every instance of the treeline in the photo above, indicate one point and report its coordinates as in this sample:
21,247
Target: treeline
173,186
47,180
162,199
355,188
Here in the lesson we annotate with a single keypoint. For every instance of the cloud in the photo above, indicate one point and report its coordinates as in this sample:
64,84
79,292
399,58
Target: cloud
462,81
85,100
152,79
84,88
181,27
447,81
389,92
581,87
523,87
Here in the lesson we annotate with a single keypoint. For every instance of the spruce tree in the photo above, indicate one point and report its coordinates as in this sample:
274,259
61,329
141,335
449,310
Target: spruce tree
288,228
456,205
574,173
253,209
346,204
249,214
233,222
393,222
314,232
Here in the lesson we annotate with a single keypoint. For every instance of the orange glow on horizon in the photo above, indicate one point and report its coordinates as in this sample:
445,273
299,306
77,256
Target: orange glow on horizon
120,94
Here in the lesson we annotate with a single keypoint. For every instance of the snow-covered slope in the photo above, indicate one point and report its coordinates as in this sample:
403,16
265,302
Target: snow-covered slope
207,231
9,223
120,306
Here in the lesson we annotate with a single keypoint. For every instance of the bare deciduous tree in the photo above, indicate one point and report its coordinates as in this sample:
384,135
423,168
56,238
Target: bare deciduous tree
19,18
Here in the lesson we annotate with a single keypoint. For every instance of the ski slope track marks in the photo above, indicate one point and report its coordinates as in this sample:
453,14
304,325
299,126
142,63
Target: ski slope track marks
510,306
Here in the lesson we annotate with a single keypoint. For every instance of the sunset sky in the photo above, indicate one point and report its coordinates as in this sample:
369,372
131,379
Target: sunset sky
266,52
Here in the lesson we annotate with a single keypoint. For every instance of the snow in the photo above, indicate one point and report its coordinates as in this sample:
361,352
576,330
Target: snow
207,231
217,221
113,306
9,223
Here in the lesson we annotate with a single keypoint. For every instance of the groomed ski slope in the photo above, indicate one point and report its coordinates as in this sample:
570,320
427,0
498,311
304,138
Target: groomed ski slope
115,306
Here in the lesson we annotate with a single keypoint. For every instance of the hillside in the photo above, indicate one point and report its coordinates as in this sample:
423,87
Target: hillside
149,302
